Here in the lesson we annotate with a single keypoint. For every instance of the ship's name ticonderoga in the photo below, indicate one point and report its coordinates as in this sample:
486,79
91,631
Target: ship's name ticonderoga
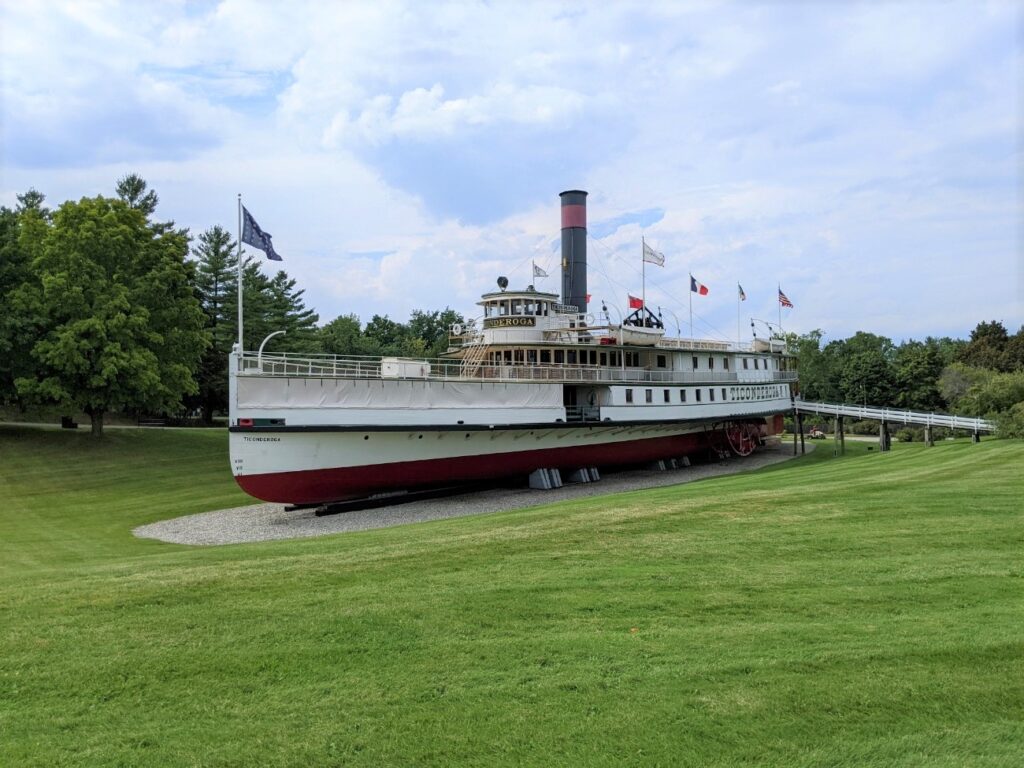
756,393
249,439
510,322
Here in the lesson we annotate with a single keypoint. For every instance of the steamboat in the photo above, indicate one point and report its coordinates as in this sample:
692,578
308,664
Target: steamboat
534,382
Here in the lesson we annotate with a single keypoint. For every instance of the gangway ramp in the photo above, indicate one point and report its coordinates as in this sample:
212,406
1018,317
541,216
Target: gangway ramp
885,417
894,416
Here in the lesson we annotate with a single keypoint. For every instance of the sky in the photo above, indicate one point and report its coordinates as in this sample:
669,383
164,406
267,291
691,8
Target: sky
866,157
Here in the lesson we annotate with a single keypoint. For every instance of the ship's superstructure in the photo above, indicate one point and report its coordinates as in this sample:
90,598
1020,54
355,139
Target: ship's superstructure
533,382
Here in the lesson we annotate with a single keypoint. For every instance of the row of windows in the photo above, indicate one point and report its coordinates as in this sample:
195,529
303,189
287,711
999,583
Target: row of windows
593,357
666,395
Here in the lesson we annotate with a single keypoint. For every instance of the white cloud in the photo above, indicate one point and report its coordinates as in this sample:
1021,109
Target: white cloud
835,149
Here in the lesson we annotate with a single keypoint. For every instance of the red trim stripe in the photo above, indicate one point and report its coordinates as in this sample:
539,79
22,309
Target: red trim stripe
574,216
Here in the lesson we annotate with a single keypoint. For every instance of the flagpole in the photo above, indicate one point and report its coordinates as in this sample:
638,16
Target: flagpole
691,306
779,299
737,314
241,348
643,277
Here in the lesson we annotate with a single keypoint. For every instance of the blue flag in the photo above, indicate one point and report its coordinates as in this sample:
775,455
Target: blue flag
256,237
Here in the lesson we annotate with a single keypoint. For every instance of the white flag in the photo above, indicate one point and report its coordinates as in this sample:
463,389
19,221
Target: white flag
652,256
538,272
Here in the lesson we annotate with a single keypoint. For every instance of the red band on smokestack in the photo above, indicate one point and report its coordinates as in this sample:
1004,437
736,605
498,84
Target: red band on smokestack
574,216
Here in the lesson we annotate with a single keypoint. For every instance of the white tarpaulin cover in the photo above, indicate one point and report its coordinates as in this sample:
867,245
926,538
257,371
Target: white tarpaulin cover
281,392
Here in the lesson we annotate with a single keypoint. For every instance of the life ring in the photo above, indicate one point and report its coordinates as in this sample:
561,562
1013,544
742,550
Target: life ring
457,329
588,319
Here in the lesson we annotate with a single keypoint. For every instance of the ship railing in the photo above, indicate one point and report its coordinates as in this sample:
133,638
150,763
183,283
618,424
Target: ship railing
582,413
330,366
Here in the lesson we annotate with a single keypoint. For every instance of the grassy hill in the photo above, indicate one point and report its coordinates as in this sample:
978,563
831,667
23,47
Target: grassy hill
864,610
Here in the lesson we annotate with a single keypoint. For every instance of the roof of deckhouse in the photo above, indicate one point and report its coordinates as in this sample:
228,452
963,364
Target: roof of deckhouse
525,294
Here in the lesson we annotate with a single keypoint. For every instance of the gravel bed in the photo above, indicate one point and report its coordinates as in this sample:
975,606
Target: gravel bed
266,522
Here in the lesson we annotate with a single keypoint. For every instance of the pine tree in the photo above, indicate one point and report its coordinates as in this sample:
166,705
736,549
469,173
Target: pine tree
216,270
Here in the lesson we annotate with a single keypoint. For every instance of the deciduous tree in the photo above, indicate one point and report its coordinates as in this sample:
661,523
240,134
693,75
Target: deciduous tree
120,324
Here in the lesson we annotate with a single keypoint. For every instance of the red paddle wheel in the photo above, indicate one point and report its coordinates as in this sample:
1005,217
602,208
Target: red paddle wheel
743,438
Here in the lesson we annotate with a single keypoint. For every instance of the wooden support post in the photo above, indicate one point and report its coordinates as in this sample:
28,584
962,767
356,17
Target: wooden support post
800,421
795,416
842,436
929,438
976,437
884,443
835,436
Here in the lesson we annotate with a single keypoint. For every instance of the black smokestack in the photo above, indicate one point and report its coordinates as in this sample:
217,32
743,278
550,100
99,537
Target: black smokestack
574,248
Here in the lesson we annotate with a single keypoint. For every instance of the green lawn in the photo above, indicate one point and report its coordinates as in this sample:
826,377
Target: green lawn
865,610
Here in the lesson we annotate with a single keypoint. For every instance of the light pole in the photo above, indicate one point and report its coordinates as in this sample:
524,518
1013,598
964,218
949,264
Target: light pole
259,355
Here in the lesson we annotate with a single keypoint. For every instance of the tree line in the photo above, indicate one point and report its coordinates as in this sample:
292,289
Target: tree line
104,308
982,376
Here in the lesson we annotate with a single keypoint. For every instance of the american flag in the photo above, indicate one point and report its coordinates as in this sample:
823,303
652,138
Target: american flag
783,300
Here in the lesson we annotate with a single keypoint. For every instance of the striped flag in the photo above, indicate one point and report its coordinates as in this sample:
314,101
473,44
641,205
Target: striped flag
783,300
698,288
743,296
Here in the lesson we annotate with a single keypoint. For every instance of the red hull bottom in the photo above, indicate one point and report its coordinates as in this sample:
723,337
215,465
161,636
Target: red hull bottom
325,485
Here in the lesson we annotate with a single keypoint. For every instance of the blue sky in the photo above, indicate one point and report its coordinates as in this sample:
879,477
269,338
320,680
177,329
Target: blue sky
865,156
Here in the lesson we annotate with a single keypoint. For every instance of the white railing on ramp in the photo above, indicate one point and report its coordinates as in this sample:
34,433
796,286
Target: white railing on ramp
894,416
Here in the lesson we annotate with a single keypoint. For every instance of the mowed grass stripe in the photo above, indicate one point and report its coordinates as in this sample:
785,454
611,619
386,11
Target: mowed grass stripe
820,612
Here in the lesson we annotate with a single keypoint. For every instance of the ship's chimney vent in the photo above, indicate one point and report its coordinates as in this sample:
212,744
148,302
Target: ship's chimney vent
574,248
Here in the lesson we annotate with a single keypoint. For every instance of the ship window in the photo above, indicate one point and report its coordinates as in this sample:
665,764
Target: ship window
682,395
667,397
559,357
697,392
629,395
711,363
661,361
571,357
545,355
604,358
757,363
508,356
723,394
531,356
649,395
725,362
711,394
695,362
593,357
744,363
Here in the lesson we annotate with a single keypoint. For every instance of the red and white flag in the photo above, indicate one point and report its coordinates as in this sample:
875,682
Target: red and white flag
635,303
783,300
698,288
